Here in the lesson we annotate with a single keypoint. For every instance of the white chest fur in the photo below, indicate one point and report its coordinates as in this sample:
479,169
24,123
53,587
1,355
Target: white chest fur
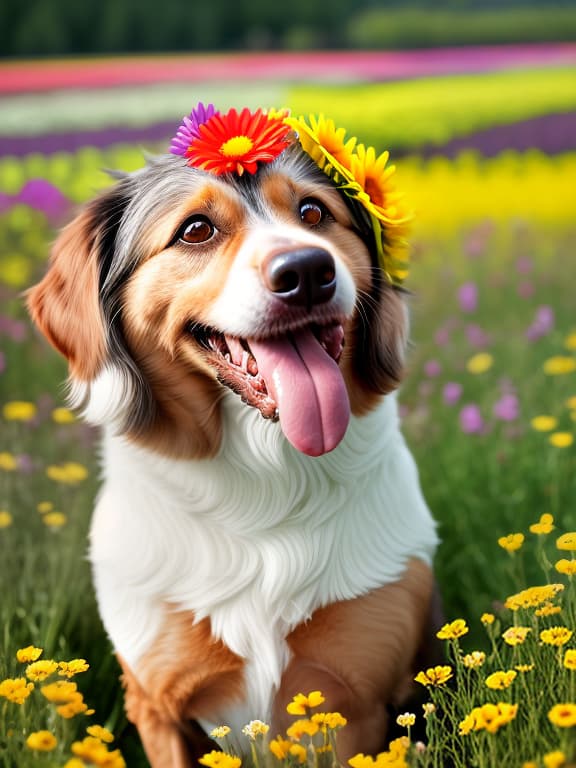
257,538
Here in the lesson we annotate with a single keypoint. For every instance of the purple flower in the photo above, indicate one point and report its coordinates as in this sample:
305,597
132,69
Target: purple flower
507,407
468,297
45,197
471,421
432,368
542,324
190,128
477,336
442,336
452,392
525,289
524,265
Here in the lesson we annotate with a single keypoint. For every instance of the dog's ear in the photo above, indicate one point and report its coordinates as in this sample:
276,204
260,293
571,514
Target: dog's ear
65,305
380,339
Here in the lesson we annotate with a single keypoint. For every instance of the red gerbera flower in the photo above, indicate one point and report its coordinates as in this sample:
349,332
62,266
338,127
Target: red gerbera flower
237,142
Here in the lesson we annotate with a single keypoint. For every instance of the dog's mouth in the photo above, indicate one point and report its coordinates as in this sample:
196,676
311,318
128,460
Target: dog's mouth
292,377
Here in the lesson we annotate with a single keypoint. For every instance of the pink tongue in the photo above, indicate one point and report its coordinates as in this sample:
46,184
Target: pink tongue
308,388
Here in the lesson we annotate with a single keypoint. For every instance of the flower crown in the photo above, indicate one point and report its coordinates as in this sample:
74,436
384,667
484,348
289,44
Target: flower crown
238,142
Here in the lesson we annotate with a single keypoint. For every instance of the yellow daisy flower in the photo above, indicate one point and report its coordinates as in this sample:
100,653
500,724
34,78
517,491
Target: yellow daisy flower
220,732
487,618
40,670
16,689
474,659
453,630
567,541
8,461
555,759
63,416
19,410
515,635
544,526
563,715
570,659
301,703
6,519
255,728
99,732
480,363
28,654
556,635
544,423
559,365
511,542
434,675
500,680
41,741
561,439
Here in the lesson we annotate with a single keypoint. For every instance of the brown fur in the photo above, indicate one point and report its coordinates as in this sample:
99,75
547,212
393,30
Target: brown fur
359,653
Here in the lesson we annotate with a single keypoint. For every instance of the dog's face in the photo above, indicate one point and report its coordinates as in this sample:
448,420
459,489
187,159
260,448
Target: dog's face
181,283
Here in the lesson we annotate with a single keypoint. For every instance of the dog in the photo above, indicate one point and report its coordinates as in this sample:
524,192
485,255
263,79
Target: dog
260,530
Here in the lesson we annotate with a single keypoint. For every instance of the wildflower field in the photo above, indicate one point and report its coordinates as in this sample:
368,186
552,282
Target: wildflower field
488,407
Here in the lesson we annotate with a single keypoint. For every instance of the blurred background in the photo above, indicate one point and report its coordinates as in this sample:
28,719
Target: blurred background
476,102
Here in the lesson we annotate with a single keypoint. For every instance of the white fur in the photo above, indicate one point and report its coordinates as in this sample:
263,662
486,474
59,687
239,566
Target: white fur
256,539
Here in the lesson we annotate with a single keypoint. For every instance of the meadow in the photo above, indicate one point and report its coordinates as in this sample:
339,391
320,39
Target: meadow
488,407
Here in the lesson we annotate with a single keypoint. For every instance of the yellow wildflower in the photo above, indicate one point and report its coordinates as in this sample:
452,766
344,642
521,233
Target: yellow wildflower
544,525
529,764
63,416
567,541
524,668
299,752
434,675
75,762
511,542
330,720
480,363
571,402
515,635
255,728
300,704
556,635
280,747
548,609
544,423
489,717
453,630
570,341
570,659
563,715
567,567
8,461
40,670
216,759
429,708
406,720
561,439
220,732
74,706
474,659
19,410
70,668
555,759
28,654
99,732
559,365
300,728
470,723
95,751
70,473
6,519
54,519
487,618
44,506
500,680
533,596
60,692
41,741
16,689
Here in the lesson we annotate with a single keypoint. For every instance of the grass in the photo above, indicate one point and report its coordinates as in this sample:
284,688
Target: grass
482,484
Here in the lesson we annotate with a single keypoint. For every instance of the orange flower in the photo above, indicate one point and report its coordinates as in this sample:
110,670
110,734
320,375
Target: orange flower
237,142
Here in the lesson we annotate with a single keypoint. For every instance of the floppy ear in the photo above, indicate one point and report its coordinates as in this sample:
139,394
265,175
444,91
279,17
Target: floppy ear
65,305
380,339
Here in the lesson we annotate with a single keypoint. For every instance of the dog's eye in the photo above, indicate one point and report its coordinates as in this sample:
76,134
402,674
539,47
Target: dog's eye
198,229
312,212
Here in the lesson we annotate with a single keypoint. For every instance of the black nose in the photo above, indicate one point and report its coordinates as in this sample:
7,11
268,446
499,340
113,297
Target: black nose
305,276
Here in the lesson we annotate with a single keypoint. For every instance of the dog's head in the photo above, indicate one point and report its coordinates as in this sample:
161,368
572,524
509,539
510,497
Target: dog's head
178,282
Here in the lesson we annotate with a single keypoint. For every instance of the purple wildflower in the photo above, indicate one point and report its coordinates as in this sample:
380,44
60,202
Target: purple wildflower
542,324
477,336
432,368
507,407
525,289
190,128
468,297
452,392
471,421
524,265
45,197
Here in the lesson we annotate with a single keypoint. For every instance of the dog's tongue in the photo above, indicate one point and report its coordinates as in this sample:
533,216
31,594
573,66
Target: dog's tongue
309,389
